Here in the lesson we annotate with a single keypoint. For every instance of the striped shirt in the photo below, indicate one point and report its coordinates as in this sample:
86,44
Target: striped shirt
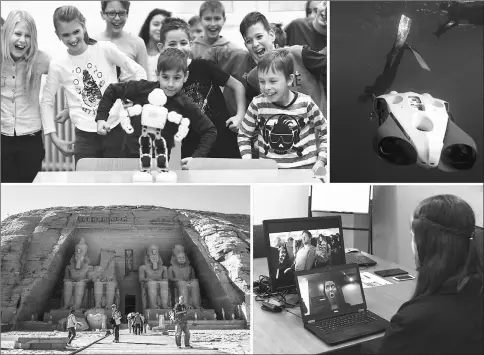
293,136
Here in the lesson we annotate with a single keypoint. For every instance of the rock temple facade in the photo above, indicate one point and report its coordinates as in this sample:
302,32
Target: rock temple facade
142,258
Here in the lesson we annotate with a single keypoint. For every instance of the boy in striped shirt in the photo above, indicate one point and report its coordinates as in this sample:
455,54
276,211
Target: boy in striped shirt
290,127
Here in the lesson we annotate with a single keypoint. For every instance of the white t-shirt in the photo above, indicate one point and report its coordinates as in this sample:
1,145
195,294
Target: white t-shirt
85,77
152,64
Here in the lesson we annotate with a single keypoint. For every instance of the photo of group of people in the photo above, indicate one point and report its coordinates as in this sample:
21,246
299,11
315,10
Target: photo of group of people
329,292
303,250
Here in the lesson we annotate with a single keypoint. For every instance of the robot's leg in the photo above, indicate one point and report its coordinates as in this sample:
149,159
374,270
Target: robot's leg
161,152
161,155
145,150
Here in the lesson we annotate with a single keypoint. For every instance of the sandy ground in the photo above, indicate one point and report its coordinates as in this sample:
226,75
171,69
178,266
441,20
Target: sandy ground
203,341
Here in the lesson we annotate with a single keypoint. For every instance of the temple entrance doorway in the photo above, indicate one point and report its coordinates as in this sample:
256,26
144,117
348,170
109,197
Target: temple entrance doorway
129,304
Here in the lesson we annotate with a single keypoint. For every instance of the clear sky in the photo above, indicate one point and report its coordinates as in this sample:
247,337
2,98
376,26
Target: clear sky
225,199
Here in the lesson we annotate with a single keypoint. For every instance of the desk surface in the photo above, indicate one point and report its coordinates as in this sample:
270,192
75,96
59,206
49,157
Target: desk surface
301,176
284,333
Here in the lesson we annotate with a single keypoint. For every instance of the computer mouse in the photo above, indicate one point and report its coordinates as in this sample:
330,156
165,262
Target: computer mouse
351,250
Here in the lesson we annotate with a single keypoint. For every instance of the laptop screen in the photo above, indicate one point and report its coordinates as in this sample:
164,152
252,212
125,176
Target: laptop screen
330,292
302,244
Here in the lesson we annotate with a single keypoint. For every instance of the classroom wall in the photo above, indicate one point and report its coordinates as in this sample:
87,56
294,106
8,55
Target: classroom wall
393,206
42,11
291,201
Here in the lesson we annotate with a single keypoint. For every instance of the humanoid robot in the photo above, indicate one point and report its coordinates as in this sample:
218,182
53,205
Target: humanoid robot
154,117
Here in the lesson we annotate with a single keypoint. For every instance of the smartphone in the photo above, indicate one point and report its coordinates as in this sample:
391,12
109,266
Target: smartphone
403,278
390,272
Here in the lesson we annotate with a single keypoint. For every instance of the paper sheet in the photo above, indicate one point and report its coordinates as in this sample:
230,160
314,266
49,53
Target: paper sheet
371,280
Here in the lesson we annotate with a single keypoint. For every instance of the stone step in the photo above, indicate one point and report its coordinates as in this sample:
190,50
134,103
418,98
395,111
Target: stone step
210,325
35,326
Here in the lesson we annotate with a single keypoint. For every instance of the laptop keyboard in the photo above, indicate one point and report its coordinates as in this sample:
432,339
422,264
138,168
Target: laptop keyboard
345,321
357,258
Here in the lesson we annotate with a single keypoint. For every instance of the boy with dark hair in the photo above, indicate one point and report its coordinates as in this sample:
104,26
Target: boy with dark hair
290,127
309,66
203,87
172,73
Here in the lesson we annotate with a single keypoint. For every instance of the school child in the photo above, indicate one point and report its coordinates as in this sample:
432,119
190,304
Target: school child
309,65
115,14
212,16
150,34
172,73
22,65
280,37
85,71
196,28
290,127
311,31
203,87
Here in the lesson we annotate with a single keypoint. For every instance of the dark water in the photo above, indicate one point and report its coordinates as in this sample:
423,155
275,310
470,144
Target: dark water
362,34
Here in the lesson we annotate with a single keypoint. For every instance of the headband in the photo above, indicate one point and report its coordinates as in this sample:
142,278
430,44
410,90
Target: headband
446,229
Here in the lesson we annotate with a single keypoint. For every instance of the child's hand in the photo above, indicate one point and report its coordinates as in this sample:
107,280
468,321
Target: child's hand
62,116
184,163
65,147
319,168
234,122
102,127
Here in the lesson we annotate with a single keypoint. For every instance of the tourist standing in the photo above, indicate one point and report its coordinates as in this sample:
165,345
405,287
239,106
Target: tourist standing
116,322
181,324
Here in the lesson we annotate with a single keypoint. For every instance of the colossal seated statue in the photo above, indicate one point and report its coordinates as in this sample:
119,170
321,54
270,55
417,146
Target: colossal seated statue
76,276
182,274
104,278
153,279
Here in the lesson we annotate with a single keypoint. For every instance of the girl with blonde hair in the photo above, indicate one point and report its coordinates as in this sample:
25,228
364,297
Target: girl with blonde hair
22,66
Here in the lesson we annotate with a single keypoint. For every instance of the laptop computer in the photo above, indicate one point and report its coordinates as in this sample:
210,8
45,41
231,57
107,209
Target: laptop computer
333,305
359,258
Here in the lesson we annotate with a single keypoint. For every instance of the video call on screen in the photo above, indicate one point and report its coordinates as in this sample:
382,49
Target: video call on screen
329,292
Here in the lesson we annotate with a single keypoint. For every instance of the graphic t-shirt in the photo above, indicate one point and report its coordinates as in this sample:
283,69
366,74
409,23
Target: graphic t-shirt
293,136
85,77
237,63
203,87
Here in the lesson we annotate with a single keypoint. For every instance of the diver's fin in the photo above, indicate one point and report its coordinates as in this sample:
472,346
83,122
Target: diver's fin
417,55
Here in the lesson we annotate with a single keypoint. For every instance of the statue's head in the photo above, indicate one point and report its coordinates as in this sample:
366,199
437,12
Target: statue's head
178,256
80,254
152,256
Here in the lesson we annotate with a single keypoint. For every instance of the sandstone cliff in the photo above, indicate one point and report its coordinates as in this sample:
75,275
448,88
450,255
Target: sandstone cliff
36,246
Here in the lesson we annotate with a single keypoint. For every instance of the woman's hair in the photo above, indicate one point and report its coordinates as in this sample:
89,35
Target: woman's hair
125,4
30,56
443,228
144,33
70,13
280,34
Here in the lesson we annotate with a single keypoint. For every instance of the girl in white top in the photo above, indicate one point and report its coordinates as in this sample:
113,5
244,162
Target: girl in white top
22,66
150,34
85,71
